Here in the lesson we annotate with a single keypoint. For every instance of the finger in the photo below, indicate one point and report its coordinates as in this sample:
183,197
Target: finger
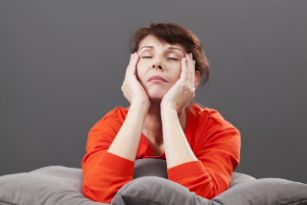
135,61
189,64
132,63
184,75
191,73
192,70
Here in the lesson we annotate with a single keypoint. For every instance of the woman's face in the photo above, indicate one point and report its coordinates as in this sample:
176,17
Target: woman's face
158,60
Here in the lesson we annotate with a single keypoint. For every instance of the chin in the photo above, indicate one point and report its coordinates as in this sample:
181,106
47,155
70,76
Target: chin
156,96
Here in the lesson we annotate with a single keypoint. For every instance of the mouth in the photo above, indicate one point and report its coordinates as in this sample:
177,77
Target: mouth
156,79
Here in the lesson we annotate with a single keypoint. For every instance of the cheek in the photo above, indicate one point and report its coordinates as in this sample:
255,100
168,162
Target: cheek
142,66
177,72
137,70
140,70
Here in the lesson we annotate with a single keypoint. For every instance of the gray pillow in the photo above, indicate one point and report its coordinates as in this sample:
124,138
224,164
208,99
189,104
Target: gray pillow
57,185
151,190
148,189
150,167
54,185
265,191
239,178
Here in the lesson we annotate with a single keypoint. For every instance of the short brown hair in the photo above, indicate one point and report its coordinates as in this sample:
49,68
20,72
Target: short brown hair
174,34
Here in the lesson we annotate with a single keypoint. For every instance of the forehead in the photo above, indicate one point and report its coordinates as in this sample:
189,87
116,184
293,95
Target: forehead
153,42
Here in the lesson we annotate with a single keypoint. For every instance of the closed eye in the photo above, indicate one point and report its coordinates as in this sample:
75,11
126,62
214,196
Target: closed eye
175,59
146,56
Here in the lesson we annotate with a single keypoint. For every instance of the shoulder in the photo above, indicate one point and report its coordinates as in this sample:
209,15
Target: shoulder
201,112
208,116
117,112
114,117
212,128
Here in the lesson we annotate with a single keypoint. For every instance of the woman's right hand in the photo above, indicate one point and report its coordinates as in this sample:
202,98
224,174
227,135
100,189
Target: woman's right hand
132,89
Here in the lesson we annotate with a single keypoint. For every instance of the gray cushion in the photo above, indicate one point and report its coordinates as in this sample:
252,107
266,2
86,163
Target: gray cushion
54,185
239,178
57,185
151,190
150,167
148,189
265,191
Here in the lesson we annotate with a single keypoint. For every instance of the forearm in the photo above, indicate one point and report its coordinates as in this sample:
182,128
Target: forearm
127,139
177,148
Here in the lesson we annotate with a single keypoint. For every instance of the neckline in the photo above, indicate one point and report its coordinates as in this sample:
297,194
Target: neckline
148,150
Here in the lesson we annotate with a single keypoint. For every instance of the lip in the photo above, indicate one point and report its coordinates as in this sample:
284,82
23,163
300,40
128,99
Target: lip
157,78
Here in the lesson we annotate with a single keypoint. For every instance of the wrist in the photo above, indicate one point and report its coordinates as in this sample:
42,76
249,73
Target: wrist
168,111
139,106
167,106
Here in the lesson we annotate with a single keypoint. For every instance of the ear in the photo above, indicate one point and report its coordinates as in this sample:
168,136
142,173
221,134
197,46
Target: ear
197,79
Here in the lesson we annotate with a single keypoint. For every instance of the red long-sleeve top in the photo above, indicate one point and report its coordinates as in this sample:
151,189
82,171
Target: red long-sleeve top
214,141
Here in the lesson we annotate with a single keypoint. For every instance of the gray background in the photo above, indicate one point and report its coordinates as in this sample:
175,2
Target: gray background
62,63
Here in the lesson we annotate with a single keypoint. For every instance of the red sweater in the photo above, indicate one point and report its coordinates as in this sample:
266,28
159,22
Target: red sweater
214,141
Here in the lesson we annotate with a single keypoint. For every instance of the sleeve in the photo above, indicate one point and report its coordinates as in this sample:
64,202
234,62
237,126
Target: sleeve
218,155
104,173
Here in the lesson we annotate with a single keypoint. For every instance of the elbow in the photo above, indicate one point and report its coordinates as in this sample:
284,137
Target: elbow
217,189
96,194
210,190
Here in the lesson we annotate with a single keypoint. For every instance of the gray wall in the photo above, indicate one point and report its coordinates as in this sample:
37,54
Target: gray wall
62,63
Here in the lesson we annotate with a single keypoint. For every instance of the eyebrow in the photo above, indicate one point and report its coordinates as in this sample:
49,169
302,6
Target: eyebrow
169,48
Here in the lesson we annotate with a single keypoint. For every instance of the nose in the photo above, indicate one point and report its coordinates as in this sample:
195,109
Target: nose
158,64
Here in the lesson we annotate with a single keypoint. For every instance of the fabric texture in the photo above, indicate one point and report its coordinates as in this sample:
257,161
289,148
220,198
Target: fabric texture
265,191
53,185
214,141
244,190
150,167
152,190
58,185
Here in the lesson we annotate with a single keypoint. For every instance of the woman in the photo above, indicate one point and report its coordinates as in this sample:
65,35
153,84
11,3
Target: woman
200,147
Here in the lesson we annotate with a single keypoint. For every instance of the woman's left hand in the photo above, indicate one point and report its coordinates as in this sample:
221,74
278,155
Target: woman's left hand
183,91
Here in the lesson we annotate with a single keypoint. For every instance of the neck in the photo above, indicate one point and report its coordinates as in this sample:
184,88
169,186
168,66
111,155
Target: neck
152,127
